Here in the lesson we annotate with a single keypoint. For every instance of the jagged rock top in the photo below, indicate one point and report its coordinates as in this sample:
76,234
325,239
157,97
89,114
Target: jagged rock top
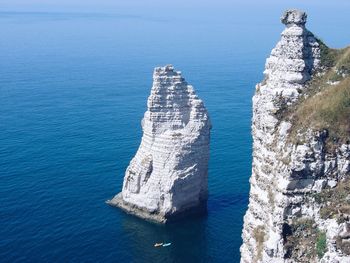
167,70
294,17
173,104
294,59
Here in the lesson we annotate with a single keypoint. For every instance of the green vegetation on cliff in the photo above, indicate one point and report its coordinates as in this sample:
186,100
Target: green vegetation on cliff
300,240
335,204
303,240
321,244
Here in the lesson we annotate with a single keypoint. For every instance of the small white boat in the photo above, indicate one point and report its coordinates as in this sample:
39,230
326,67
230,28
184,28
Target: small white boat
166,244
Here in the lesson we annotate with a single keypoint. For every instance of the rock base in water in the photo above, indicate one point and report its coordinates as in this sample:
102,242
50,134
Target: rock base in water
155,217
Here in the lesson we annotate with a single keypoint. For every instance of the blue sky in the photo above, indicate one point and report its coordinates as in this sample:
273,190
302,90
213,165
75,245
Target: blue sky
117,5
328,18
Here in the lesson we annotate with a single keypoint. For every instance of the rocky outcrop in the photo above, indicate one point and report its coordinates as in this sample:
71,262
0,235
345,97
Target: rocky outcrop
292,178
167,178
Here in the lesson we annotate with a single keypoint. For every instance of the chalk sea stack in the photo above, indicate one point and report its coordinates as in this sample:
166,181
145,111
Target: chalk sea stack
168,177
299,209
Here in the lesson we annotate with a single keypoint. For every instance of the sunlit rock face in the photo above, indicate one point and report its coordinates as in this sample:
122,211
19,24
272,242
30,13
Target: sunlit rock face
168,177
291,64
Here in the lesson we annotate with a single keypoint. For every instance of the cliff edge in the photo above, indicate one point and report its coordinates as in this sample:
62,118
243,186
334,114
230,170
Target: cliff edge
299,203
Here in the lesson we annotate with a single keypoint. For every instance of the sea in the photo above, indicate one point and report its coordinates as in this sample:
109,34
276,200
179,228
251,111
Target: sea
73,91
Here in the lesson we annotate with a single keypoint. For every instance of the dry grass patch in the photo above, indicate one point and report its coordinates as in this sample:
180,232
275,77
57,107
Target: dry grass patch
335,203
329,109
326,104
259,236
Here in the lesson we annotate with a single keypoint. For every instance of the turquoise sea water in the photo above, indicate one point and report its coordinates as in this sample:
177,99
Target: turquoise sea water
73,90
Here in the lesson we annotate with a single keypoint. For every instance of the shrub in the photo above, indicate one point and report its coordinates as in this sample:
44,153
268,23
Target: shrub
329,56
321,244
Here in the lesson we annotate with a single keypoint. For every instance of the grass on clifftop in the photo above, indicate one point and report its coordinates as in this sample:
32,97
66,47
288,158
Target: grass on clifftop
329,56
327,101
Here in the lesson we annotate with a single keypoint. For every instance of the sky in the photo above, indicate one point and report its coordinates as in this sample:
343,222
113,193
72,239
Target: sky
325,15
163,5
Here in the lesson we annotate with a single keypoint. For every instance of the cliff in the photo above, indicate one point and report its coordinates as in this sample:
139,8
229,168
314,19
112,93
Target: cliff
299,203
167,178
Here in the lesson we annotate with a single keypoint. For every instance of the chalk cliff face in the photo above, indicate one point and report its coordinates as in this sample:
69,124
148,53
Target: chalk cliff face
294,173
167,178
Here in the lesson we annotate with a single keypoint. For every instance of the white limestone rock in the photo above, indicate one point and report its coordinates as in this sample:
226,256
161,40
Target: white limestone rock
285,174
167,178
294,17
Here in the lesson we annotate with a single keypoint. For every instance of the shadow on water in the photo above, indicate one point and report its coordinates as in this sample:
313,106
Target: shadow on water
223,201
188,240
190,237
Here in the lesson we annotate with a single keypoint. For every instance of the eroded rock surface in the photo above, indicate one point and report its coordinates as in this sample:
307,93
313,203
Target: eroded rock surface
167,178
